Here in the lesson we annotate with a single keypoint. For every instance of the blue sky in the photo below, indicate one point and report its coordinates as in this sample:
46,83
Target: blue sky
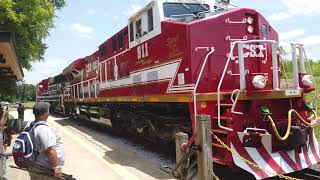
82,25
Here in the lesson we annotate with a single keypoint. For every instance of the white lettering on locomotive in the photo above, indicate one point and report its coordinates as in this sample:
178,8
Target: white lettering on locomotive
93,66
139,52
88,68
142,51
255,50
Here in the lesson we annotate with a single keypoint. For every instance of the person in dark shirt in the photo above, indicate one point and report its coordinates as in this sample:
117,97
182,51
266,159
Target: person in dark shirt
20,110
3,146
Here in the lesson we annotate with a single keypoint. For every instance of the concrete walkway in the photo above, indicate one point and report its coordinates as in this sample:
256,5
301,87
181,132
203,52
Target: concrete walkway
88,159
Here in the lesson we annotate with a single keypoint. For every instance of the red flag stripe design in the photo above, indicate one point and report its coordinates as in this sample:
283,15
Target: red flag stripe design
297,157
312,146
289,161
306,156
242,151
270,161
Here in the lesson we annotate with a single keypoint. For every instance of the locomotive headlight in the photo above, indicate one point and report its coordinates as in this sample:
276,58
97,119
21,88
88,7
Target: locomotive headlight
259,82
250,29
249,20
307,80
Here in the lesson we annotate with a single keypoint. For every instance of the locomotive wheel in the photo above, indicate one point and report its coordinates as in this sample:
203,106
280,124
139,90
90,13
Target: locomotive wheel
116,123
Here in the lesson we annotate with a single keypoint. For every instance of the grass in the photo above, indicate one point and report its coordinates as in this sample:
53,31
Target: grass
29,105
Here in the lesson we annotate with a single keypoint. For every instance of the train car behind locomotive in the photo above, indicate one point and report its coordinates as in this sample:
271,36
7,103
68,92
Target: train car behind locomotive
177,59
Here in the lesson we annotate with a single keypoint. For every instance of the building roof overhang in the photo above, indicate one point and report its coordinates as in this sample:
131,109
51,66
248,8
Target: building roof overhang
10,66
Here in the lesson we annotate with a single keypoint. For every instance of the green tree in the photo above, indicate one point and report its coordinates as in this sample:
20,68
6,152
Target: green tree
31,21
7,90
26,92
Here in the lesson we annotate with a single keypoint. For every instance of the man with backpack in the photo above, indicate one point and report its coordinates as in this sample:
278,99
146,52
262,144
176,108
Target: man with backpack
45,155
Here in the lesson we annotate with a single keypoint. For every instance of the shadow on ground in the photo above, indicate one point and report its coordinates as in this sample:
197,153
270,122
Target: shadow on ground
103,137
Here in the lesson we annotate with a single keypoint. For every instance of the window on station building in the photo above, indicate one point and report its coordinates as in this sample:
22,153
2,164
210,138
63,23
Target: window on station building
114,44
150,20
138,28
120,40
131,32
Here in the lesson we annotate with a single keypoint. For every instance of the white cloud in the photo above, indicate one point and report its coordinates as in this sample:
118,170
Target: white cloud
105,14
133,9
135,6
91,12
61,27
297,8
291,34
279,16
82,30
50,67
311,44
115,18
310,41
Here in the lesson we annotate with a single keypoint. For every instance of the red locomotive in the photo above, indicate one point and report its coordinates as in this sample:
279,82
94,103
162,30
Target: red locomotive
179,59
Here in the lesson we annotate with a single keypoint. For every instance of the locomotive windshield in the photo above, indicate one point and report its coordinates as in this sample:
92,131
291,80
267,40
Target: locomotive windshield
180,9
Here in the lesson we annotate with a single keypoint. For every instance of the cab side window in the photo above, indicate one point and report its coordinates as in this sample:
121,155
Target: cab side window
114,44
138,29
120,40
131,32
150,20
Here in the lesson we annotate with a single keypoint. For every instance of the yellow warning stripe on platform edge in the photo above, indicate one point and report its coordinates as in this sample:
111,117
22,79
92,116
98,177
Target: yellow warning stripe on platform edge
118,169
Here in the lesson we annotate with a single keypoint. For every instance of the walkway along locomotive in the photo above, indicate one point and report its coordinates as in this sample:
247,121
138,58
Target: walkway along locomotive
177,59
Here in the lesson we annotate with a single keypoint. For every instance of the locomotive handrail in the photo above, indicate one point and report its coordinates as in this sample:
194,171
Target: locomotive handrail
315,99
303,58
81,83
242,73
198,80
235,100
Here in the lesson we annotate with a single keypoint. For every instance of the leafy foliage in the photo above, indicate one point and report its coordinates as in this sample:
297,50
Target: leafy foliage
7,90
314,67
26,92
13,91
31,21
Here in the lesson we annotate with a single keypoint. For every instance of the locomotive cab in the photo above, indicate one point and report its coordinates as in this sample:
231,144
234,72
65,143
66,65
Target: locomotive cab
146,23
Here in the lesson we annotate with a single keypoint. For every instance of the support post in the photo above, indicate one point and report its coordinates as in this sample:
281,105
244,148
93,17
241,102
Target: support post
89,92
82,90
181,138
78,91
241,67
275,71
204,141
295,67
302,59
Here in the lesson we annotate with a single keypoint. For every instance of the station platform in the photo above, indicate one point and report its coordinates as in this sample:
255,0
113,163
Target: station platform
90,157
